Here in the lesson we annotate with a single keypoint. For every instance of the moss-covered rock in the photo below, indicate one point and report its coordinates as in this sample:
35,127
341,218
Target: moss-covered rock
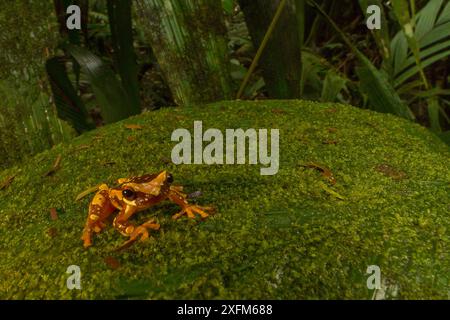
292,235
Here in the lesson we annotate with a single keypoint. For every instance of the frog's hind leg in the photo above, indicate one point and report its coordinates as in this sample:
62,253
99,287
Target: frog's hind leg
100,209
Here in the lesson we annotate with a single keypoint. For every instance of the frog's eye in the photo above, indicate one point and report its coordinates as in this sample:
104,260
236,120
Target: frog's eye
129,194
169,178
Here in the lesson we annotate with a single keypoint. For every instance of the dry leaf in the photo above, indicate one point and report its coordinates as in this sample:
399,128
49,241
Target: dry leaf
82,147
52,232
278,111
5,184
53,214
391,172
324,170
55,167
165,160
108,163
112,262
134,126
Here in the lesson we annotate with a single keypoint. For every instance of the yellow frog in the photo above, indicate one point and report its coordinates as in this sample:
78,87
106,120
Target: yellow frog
133,195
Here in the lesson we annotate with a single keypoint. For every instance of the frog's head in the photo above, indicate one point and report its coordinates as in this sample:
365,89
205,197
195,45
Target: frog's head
141,191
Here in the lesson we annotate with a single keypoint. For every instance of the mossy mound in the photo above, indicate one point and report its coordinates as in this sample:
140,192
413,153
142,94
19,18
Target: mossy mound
294,235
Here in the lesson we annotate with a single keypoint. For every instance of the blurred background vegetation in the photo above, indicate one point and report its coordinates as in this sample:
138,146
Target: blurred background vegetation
141,55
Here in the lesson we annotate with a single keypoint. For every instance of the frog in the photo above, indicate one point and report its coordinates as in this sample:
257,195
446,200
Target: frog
133,195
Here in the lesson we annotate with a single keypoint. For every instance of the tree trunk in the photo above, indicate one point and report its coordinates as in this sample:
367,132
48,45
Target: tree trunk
188,38
281,59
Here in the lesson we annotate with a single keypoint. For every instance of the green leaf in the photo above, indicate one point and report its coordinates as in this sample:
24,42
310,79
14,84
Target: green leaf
110,95
382,96
431,34
373,82
401,10
332,86
433,114
228,6
68,104
445,15
119,12
414,70
427,17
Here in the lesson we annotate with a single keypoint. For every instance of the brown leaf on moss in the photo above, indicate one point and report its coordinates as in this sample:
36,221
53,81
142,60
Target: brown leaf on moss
134,126
165,160
332,130
112,262
324,170
108,163
330,142
278,111
7,182
82,147
331,110
56,167
391,172
52,232
53,214
131,139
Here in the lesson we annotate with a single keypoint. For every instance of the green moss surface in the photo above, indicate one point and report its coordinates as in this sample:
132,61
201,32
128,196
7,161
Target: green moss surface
293,235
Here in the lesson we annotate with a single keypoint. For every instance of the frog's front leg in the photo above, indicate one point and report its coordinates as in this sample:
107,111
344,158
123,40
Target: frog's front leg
187,209
100,209
128,229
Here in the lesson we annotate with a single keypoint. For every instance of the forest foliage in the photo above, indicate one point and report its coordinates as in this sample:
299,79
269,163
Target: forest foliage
132,56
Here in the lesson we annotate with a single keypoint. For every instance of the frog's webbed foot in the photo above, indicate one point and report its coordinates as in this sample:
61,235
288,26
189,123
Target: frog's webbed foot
190,210
138,233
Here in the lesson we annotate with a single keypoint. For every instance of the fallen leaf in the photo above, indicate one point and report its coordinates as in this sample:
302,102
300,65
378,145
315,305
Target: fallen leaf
55,167
332,130
391,172
86,192
108,163
82,147
52,232
165,160
112,262
330,142
134,126
131,139
324,170
53,214
5,184
278,111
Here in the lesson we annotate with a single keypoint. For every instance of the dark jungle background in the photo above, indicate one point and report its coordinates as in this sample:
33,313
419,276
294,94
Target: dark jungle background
135,56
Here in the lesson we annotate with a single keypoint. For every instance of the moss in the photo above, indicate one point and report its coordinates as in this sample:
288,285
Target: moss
282,236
